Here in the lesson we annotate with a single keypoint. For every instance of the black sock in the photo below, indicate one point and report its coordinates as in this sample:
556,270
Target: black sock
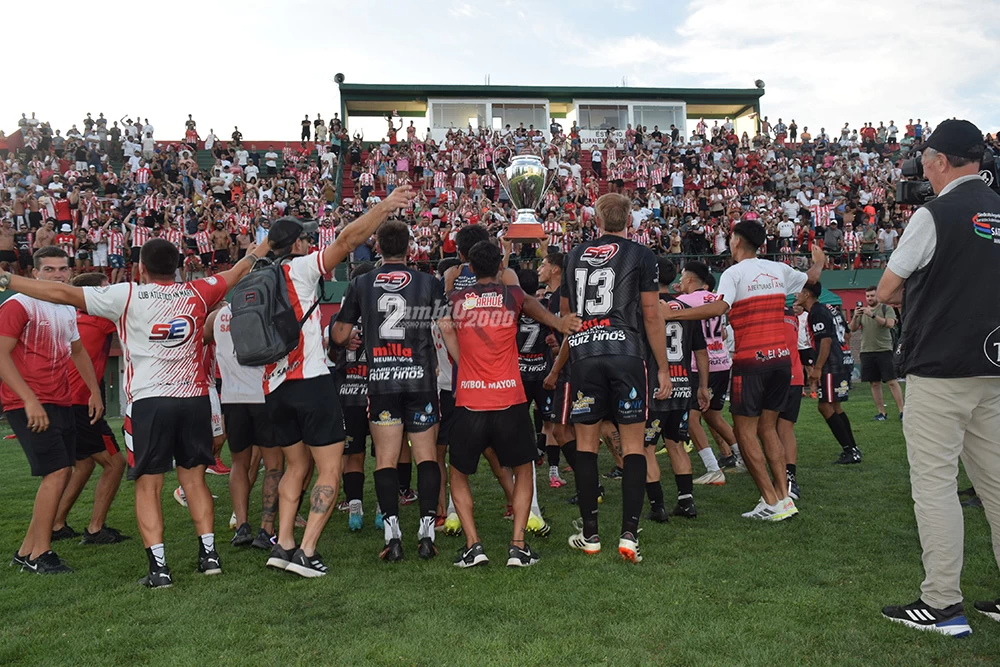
387,491
848,431
790,472
586,490
569,451
837,428
354,485
540,440
153,564
553,452
685,489
428,487
654,491
537,421
633,490
405,472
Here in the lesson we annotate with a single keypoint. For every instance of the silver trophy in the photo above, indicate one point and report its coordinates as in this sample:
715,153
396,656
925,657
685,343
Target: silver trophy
524,181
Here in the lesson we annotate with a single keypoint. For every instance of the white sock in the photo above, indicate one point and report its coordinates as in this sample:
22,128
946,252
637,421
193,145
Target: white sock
391,529
207,542
451,505
356,507
708,458
534,493
426,528
553,471
736,450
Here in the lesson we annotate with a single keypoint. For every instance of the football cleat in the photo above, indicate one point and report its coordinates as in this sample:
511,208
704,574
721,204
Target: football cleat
590,546
537,525
628,547
452,525
713,478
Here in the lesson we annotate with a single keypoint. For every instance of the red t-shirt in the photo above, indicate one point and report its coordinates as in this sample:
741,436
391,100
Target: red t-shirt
486,319
44,334
95,335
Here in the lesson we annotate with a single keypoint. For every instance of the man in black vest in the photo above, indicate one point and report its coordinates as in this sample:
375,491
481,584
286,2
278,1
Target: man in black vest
945,273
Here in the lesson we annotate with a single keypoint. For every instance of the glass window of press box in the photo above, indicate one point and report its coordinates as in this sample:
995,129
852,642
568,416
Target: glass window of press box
459,115
602,116
513,114
659,115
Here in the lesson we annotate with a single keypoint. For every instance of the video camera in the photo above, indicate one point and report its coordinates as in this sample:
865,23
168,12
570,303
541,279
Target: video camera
918,191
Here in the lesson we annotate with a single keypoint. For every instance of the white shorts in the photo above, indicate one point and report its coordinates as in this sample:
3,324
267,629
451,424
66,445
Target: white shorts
100,257
217,427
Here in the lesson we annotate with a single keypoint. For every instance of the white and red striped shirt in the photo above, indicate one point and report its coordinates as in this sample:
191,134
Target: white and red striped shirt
440,179
142,175
366,179
116,242
327,235
204,241
140,234
175,236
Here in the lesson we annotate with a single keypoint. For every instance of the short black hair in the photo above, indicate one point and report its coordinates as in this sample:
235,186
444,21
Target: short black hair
528,280
160,257
484,259
91,279
361,268
751,231
469,236
815,288
446,264
668,270
556,258
393,238
873,288
48,252
700,271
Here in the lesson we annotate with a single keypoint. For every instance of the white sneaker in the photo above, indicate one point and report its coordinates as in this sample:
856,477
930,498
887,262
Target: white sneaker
180,497
578,541
713,477
763,511
787,510
628,548
232,522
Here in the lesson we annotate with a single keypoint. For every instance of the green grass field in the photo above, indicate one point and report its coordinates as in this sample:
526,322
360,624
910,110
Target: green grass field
718,590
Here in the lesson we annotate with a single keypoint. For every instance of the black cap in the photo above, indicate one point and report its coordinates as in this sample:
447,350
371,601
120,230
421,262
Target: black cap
285,231
956,137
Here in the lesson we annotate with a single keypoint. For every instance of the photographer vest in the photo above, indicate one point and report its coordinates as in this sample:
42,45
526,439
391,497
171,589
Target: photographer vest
951,325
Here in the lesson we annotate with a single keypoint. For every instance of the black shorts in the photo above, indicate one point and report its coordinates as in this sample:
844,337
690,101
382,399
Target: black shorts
447,406
92,438
540,396
834,387
306,411
206,259
356,429
753,393
247,424
671,425
509,432
877,367
8,256
807,357
54,448
416,411
793,403
221,257
608,387
159,431
560,404
718,387
135,254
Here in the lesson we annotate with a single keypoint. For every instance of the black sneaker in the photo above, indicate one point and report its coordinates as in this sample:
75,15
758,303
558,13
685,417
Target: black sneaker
793,490
574,499
158,578
472,556
921,616
307,566
208,563
105,535
971,491
280,558
263,541
727,461
426,549
616,473
518,557
849,456
18,561
243,536
658,514
972,502
64,533
989,608
686,510
393,551
47,563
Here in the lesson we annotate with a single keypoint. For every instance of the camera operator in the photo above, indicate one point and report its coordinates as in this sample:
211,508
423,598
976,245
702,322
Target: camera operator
876,322
945,272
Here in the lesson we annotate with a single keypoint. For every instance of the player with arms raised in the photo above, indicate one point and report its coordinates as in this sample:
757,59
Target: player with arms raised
611,284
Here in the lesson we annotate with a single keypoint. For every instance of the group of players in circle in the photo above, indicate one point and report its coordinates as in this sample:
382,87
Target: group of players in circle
429,365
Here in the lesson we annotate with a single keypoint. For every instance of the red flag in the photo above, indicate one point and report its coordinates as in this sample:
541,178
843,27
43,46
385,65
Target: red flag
857,261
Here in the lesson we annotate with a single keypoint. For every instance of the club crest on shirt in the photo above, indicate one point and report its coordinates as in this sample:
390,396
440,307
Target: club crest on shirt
599,254
393,281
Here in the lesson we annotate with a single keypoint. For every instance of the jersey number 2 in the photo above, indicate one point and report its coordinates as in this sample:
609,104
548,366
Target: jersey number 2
393,308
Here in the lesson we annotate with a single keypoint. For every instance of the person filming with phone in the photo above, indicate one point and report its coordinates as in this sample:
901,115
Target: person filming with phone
877,321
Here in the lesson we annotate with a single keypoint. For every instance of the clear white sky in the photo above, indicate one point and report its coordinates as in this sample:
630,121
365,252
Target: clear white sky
262,65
